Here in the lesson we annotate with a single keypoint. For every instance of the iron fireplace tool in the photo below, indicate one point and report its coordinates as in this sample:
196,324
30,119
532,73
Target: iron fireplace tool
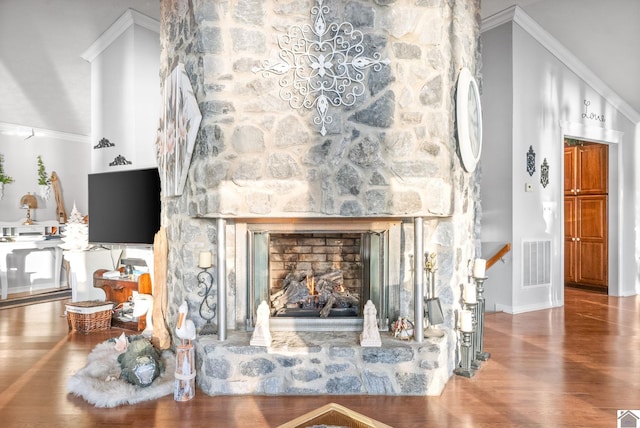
432,303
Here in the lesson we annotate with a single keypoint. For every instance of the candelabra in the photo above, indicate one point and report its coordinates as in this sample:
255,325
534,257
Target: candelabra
479,352
207,309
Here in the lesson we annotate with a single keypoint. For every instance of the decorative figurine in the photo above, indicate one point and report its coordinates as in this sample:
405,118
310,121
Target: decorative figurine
261,334
370,335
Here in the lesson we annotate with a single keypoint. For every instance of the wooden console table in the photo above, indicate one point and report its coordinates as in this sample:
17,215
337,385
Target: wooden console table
119,290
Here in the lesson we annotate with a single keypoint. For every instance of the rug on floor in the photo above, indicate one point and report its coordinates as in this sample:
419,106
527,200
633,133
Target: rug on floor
98,382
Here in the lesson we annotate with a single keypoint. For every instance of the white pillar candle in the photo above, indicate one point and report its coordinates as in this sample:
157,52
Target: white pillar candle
205,260
470,293
466,320
479,268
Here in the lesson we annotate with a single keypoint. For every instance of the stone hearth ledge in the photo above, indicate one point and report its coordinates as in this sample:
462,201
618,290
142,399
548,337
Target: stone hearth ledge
319,363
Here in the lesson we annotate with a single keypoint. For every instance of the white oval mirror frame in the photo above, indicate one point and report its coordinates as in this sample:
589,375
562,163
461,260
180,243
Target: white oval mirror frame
469,120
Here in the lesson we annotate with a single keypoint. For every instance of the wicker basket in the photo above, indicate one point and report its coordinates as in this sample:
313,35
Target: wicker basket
88,316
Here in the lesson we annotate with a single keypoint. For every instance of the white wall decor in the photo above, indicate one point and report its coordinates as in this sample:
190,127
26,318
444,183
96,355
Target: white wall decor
177,131
321,65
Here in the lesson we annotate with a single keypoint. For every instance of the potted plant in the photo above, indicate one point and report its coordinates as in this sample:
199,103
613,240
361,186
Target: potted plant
44,182
4,179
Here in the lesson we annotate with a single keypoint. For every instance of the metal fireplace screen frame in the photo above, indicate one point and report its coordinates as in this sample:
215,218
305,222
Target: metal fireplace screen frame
375,240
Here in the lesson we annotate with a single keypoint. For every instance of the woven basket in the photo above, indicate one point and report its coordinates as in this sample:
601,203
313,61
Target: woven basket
89,316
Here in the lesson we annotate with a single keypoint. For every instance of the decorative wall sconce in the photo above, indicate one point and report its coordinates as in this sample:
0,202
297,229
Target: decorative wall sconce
28,202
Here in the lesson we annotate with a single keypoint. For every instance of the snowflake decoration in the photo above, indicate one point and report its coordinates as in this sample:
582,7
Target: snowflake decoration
321,65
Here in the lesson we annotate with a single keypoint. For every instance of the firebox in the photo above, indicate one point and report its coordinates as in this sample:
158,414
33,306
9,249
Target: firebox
319,276
316,274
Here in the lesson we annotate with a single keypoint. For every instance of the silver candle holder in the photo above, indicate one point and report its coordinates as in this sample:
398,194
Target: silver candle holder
480,354
466,349
207,308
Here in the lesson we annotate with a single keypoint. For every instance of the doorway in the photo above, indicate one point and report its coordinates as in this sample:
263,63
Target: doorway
586,191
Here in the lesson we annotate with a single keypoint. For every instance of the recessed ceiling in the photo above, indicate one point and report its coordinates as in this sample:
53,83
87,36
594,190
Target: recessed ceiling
46,84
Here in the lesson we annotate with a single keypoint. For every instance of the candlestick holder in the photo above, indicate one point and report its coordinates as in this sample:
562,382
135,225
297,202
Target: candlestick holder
207,306
475,342
480,354
465,369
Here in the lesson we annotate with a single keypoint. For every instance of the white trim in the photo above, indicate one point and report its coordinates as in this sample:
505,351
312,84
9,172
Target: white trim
126,20
497,19
25,131
593,133
520,17
526,308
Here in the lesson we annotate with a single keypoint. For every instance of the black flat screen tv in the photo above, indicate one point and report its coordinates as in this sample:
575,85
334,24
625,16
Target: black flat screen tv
124,206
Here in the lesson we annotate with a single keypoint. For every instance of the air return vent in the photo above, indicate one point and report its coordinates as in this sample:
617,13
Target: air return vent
536,263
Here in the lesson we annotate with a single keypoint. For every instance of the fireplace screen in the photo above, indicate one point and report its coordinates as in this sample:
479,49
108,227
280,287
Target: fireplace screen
317,279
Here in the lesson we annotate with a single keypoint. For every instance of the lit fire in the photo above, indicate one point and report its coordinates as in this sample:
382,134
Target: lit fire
311,285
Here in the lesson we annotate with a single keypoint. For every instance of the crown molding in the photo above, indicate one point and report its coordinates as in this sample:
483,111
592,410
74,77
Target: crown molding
126,20
517,15
27,132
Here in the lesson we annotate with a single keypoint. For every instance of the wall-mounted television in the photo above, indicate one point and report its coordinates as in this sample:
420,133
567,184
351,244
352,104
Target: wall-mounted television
124,206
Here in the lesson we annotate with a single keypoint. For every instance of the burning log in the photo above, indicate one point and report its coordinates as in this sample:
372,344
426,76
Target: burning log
340,299
325,291
294,290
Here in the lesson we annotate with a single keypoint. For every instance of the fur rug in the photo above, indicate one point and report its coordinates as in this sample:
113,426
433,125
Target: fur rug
98,382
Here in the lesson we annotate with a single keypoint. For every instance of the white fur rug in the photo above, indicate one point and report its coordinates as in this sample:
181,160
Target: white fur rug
98,382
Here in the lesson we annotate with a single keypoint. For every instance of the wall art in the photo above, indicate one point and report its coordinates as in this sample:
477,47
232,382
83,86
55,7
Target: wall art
120,160
592,116
177,131
103,143
531,161
321,65
544,173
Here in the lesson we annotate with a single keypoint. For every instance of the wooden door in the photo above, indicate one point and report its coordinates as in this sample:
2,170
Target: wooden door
570,233
591,240
585,222
591,169
570,156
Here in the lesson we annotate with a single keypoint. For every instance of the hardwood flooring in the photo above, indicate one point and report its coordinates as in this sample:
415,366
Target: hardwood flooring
566,367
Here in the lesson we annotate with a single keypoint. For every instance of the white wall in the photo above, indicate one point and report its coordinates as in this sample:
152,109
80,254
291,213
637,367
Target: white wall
125,87
548,103
496,193
69,159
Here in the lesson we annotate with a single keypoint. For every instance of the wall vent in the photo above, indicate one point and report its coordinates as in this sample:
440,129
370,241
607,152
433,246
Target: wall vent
536,263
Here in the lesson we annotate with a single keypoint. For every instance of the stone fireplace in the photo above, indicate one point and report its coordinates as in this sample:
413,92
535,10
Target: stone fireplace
330,190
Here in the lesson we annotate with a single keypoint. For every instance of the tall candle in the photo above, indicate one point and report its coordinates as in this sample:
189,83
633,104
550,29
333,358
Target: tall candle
479,268
205,260
470,293
466,320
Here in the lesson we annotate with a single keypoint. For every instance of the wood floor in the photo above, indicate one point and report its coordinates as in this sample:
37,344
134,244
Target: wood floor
566,367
